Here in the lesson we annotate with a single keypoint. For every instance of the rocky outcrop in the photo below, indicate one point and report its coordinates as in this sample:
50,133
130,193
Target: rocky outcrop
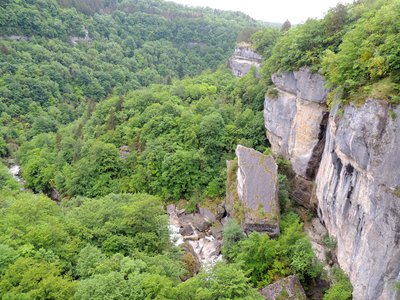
353,156
288,288
253,197
358,196
243,59
296,121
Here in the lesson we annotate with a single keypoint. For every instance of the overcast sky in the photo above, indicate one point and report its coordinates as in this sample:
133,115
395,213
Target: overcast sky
296,11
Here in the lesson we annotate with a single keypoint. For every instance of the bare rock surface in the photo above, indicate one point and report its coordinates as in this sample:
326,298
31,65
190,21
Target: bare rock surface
257,192
317,232
243,59
354,158
288,288
296,121
358,186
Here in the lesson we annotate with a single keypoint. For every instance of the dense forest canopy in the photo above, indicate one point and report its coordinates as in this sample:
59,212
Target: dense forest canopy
49,71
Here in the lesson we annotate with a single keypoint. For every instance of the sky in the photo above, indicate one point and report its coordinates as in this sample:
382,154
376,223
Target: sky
297,11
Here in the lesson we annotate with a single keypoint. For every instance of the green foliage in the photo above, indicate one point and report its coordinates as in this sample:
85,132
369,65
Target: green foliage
367,54
49,67
115,246
222,282
7,256
179,137
232,235
30,279
341,288
6,180
284,200
265,259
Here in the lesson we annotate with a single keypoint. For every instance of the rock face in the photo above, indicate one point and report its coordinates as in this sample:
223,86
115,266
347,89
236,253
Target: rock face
358,187
288,288
243,59
296,122
257,192
354,158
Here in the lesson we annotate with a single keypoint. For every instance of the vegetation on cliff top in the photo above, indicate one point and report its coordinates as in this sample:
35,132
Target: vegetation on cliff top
355,46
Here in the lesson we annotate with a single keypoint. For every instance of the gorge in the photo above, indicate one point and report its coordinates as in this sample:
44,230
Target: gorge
143,156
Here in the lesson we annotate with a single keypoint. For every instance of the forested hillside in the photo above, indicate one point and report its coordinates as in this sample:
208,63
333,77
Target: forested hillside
50,71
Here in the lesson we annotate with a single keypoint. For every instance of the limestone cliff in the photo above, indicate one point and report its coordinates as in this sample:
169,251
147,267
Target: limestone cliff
352,158
243,59
358,196
295,121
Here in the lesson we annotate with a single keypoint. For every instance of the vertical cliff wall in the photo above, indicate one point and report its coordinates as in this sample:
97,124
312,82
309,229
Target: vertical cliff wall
295,120
358,196
352,159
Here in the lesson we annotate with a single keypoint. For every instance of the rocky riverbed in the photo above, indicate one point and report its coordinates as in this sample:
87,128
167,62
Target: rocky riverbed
199,233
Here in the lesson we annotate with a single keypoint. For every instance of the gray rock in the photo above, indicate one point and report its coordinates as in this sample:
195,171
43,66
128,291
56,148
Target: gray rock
124,151
296,124
55,195
288,288
200,223
310,86
303,84
296,127
285,82
217,230
317,232
358,195
279,117
186,230
207,214
243,59
257,191
171,209
302,191
185,220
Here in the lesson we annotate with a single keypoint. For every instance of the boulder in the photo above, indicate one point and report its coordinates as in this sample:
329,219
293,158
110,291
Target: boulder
207,214
217,230
288,288
186,230
256,194
200,223
124,152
